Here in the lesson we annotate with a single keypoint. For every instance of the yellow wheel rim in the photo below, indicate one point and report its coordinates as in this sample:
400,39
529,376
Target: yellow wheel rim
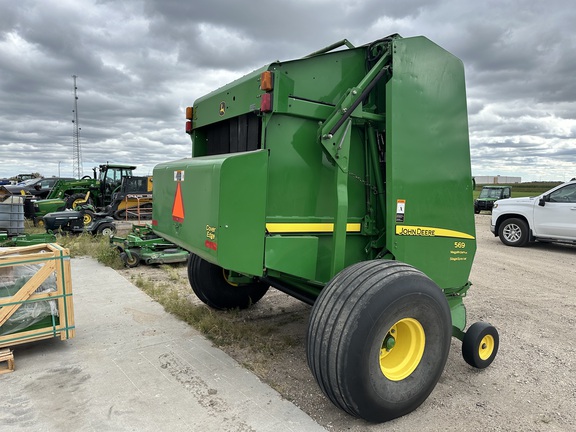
402,349
87,219
486,347
225,273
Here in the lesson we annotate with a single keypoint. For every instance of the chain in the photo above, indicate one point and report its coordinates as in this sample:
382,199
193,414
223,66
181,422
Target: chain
361,180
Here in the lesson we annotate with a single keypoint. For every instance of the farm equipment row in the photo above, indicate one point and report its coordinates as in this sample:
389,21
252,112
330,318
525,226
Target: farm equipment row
113,189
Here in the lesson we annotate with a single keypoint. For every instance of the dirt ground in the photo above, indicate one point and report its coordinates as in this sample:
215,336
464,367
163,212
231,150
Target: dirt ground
529,294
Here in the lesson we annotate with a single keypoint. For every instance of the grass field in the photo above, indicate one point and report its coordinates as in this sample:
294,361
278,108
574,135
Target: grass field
524,189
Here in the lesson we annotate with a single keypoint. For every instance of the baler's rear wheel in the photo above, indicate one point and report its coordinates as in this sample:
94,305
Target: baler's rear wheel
378,339
209,283
480,345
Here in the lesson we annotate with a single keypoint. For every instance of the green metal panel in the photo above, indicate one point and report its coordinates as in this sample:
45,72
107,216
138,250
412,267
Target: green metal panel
239,97
414,207
220,216
430,220
301,185
293,255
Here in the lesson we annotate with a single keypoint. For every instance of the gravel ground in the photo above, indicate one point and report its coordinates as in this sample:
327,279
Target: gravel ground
527,293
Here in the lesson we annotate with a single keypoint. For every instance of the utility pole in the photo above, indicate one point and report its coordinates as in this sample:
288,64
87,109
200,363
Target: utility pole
76,149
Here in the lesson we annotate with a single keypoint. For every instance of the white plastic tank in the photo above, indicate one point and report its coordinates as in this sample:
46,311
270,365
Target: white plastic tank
12,215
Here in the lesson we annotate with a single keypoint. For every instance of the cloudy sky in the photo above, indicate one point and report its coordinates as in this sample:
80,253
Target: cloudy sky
139,63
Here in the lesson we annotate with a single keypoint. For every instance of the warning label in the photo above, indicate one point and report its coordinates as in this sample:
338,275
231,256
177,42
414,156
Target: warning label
400,209
178,206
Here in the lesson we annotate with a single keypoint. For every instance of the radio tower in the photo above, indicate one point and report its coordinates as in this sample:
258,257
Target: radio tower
77,151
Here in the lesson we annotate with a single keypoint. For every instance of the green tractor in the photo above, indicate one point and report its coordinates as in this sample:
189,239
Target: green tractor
343,179
101,192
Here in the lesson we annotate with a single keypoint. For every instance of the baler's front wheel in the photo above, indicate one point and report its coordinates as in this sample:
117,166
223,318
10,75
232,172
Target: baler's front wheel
378,339
480,345
209,283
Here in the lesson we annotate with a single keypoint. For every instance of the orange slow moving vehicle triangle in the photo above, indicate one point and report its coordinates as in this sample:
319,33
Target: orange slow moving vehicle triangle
178,206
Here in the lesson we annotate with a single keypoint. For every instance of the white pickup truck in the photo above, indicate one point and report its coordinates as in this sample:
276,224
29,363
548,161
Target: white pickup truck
548,217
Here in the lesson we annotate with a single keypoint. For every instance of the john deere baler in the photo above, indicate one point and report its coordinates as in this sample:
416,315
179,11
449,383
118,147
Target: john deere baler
342,178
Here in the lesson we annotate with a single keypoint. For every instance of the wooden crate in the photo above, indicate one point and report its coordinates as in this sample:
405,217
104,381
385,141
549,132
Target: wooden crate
6,361
52,261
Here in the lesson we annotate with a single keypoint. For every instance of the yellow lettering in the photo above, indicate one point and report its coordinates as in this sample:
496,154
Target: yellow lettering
210,232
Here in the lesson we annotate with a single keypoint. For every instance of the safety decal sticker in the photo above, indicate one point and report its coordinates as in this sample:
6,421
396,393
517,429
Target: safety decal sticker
178,206
178,176
400,209
210,241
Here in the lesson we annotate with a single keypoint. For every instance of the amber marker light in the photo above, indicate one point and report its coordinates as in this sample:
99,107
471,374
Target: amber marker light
266,81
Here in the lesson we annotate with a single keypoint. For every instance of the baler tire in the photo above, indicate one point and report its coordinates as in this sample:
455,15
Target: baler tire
350,327
208,281
130,261
480,345
513,232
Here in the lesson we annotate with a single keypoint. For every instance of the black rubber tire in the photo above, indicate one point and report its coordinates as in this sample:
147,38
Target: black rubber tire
513,232
86,177
72,200
132,261
119,215
476,210
208,281
480,345
106,229
87,217
352,318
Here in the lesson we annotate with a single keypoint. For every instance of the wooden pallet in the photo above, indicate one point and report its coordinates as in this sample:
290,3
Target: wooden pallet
6,356
51,259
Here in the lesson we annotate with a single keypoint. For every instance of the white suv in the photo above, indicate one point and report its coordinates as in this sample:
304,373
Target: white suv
547,217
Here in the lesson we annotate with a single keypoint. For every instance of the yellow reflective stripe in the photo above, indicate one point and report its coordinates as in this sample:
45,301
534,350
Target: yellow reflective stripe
308,227
421,231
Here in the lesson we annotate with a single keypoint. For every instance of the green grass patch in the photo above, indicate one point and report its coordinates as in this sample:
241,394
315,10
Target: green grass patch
527,189
97,247
223,328
85,244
